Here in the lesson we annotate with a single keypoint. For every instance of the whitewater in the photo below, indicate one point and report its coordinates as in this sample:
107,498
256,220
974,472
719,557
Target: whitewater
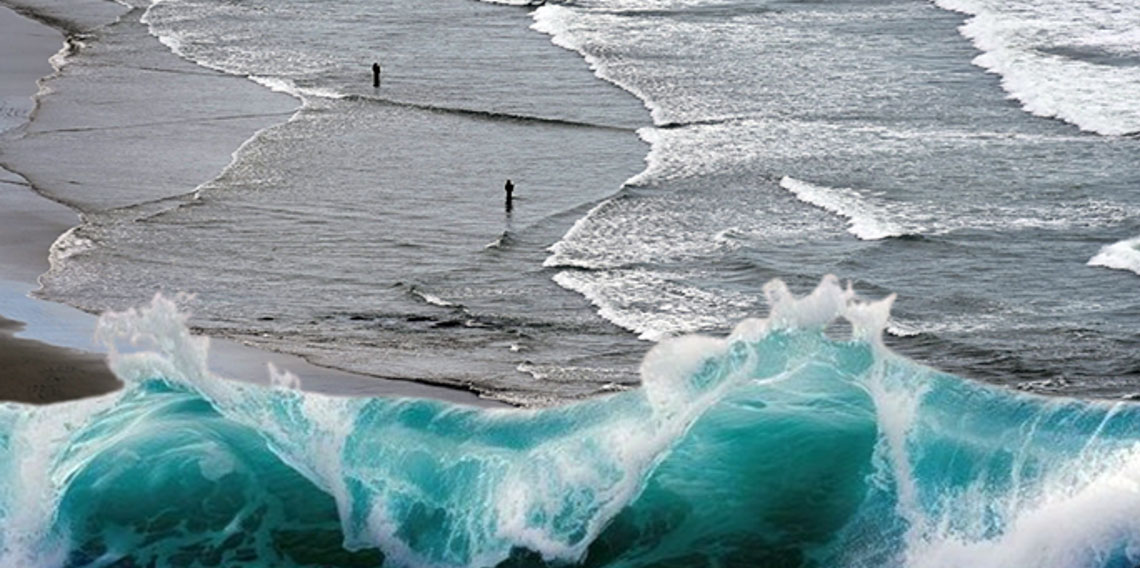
845,123
780,444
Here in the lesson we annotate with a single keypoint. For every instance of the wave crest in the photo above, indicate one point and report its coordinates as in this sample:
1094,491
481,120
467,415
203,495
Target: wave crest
1121,255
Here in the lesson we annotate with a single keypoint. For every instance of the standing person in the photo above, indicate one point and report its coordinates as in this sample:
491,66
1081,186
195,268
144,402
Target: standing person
375,74
509,188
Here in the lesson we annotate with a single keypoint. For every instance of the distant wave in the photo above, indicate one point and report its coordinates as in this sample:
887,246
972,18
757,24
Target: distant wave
709,462
484,114
558,22
526,3
629,256
867,220
1041,50
621,232
433,299
871,218
1122,255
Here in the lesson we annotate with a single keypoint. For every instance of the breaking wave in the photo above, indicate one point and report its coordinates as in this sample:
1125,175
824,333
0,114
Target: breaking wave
865,220
873,217
1075,62
1122,255
777,445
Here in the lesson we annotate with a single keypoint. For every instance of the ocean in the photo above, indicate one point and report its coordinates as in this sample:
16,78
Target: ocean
785,283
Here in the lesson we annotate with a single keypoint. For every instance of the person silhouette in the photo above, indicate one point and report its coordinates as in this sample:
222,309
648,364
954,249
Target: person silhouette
510,189
375,74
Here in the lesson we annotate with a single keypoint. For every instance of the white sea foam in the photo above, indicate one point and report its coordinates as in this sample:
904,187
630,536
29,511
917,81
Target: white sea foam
903,329
571,29
1122,255
872,217
698,150
68,245
1099,492
1029,43
957,136
57,61
622,232
433,299
277,85
186,45
656,304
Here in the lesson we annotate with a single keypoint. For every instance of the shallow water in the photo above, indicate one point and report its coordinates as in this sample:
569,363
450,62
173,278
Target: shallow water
896,143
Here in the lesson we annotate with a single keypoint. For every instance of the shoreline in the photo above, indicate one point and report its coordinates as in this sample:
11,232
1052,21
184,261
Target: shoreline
42,373
40,331
36,371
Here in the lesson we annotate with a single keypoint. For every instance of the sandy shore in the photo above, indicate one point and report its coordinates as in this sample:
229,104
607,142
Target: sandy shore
33,371
38,373
46,352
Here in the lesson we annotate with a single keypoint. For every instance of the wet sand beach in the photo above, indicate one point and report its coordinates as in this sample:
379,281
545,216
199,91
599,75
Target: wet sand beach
38,373
33,371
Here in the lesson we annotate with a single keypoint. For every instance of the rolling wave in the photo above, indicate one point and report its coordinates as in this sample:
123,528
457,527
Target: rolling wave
1073,61
867,220
777,445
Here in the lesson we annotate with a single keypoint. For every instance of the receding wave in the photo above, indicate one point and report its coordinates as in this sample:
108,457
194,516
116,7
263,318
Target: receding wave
777,445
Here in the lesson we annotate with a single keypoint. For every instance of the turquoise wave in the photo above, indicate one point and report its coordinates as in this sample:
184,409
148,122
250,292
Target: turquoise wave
777,446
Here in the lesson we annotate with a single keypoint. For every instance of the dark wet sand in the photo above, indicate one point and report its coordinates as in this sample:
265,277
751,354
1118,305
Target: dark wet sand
39,373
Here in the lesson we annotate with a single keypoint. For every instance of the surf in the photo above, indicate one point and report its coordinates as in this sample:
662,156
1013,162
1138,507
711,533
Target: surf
1047,54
